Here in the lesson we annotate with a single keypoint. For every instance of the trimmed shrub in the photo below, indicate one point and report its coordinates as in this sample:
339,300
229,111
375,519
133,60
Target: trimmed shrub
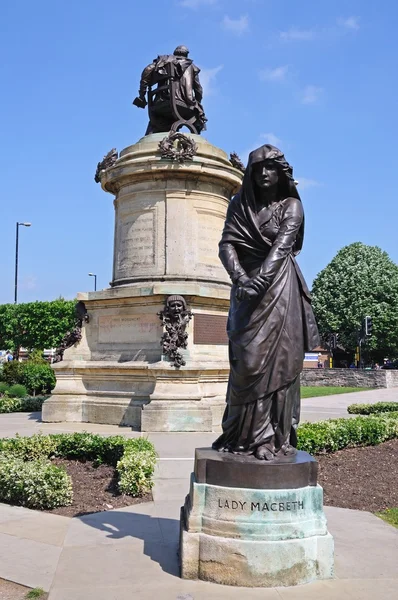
136,468
38,377
8,405
335,434
134,459
35,447
34,484
89,446
29,404
4,387
369,409
18,391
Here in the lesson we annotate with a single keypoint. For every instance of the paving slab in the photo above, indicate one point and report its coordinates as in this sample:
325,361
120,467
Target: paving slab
33,525
133,551
172,489
113,527
155,567
27,562
365,546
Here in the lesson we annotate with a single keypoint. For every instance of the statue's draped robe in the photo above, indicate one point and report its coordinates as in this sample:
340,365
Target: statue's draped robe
268,335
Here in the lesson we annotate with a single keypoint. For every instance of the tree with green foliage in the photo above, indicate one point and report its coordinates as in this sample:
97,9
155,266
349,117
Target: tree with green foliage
360,280
35,325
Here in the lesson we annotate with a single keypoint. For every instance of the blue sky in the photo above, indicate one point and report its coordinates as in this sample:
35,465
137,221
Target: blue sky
318,79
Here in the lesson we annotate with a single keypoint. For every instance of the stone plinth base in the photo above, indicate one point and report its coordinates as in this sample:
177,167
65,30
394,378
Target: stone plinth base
160,416
146,397
168,221
117,375
255,537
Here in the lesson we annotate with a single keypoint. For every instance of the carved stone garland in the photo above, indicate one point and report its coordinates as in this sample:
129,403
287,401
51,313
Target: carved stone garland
175,317
178,146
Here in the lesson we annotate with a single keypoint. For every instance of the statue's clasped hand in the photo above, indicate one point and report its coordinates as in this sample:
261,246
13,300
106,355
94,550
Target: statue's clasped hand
251,287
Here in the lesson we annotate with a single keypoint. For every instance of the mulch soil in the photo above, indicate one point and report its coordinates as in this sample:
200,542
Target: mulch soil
364,478
94,489
13,591
361,478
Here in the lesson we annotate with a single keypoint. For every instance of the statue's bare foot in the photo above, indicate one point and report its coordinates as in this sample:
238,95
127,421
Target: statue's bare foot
263,453
288,450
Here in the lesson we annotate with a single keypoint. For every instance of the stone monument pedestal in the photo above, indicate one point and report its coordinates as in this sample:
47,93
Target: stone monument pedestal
168,221
254,523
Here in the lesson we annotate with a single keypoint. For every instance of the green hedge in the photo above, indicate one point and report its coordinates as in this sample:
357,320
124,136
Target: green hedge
136,468
335,434
34,484
134,460
369,409
29,404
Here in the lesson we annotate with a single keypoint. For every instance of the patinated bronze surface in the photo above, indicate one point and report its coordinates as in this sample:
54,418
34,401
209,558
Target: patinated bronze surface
228,470
175,317
236,162
177,146
73,337
108,161
176,101
271,323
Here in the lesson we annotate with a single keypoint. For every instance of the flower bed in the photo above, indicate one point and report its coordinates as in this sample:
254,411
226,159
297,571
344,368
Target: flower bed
28,477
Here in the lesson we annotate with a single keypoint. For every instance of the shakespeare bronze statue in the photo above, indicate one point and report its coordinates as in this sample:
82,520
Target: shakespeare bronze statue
271,323
176,100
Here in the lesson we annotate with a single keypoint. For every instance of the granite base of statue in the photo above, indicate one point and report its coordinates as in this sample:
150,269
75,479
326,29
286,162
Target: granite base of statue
254,523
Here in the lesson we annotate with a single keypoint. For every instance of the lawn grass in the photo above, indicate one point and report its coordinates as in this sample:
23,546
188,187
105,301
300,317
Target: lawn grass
315,391
390,515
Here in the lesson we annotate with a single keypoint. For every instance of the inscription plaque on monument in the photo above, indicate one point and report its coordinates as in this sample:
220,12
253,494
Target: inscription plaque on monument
128,328
210,329
137,241
260,506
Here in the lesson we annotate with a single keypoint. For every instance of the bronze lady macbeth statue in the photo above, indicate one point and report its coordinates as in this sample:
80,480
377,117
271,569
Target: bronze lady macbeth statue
270,323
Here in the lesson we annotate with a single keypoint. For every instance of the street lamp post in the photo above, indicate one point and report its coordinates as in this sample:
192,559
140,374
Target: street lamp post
16,259
95,280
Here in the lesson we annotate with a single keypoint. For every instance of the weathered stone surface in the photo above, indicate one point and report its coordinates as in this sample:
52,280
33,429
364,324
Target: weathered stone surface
169,217
176,416
349,378
256,564
255,537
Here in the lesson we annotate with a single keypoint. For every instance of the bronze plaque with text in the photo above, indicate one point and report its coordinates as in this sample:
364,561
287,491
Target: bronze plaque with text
210,329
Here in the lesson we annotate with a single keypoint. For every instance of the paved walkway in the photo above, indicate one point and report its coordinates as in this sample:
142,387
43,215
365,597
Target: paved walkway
132,552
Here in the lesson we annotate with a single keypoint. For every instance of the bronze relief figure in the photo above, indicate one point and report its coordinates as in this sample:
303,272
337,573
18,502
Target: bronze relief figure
271,323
